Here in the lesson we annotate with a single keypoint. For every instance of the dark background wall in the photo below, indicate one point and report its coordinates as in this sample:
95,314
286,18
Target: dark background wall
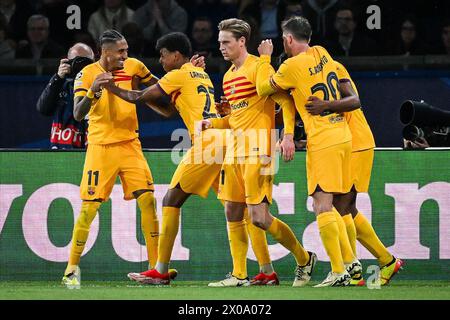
382,93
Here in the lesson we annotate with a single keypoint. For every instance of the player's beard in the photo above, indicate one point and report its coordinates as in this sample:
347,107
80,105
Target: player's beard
116,65
120,65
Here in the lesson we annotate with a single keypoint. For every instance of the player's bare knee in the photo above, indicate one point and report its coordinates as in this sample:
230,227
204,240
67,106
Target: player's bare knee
255,220
353,210
232,215
139,193
322,207
260,222
168,200
175,197
342,209
234,212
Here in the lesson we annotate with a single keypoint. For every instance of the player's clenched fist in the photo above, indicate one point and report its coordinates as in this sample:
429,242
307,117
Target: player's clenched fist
201,126
103,79
265,47
198,61
223,107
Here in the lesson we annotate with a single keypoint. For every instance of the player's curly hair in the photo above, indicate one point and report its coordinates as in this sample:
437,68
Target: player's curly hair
299,27
239,28
175,41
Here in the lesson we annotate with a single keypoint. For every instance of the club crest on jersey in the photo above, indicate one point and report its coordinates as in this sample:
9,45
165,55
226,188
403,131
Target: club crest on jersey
91,191
79,75
233,89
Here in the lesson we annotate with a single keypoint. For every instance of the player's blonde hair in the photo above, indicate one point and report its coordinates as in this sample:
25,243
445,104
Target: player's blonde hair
239,28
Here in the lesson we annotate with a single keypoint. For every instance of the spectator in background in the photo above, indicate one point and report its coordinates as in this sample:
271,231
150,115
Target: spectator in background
255,38
320,14
86,38
268,25
215,10
266,15
407,42
348,42
112,15
445,37
57,100
17,13
159,17
203,41
290,8
39,45
135,39
136,4
55,11
389,11
6,45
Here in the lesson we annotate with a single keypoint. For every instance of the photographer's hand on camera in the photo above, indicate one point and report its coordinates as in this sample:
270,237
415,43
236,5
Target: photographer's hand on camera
64,68
419,143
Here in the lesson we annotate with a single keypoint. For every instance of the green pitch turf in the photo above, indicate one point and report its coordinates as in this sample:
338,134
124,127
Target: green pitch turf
188,290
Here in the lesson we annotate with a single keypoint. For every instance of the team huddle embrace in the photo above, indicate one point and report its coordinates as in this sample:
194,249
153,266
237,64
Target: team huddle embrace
237,134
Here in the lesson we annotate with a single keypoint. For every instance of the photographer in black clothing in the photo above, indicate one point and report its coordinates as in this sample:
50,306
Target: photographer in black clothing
425,125
57,100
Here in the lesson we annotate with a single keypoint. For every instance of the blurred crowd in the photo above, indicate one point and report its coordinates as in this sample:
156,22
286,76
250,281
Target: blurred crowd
37,29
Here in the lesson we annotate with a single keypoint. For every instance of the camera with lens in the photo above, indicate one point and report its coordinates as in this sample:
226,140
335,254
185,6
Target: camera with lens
77,64
422,120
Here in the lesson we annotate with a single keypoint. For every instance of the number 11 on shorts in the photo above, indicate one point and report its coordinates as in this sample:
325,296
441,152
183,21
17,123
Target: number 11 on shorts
96,174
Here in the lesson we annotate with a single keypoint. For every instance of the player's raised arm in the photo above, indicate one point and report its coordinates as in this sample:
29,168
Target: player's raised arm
264,70
267,80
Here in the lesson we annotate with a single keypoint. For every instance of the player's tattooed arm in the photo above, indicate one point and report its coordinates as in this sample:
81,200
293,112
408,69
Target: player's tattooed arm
82,104
149,83
81,107
168,111
132,96
153,97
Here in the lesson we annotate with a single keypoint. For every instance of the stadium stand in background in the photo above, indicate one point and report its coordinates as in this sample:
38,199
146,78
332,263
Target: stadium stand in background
413,44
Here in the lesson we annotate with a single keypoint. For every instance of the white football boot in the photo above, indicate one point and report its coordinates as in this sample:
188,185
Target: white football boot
231,281
335,280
